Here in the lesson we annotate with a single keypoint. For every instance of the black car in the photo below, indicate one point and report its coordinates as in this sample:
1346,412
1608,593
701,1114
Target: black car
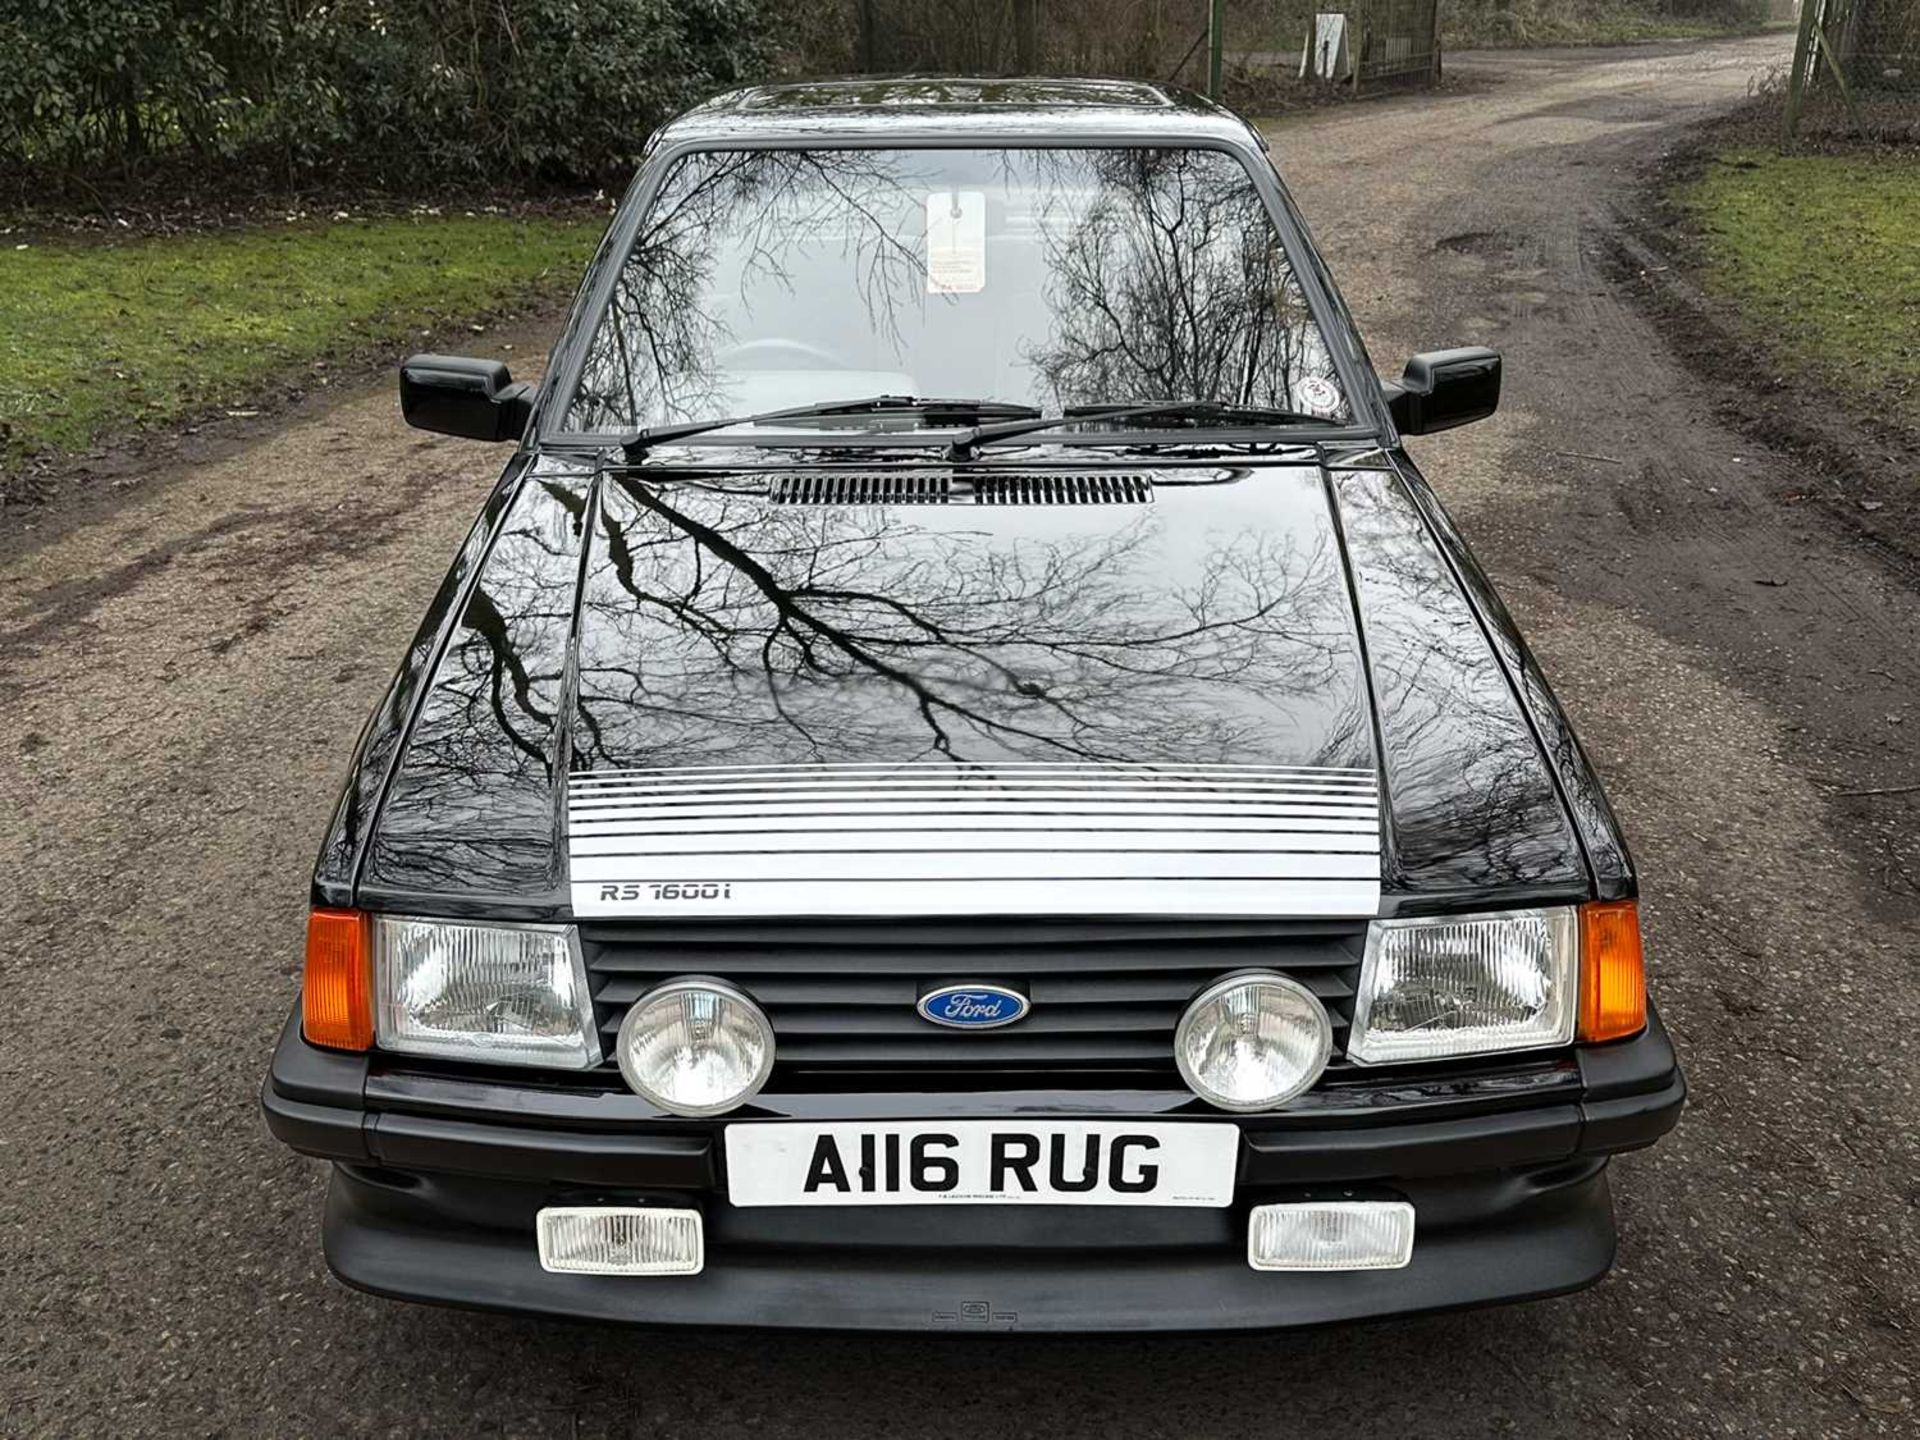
963,779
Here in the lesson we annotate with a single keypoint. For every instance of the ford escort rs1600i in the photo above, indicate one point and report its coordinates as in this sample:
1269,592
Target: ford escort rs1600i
963,779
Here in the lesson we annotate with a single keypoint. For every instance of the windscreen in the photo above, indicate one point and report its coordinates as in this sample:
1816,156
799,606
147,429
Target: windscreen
763,279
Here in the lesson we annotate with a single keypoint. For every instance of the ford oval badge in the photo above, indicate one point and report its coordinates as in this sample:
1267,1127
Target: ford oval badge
972,1007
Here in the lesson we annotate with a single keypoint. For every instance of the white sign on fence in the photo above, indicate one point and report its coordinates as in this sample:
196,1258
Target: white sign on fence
1328,59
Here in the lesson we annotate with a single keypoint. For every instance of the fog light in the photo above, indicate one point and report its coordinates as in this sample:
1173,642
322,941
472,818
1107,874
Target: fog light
1331,1235
608,1240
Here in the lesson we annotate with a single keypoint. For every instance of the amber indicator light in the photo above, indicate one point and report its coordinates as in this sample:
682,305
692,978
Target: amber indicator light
1613,980
336,1007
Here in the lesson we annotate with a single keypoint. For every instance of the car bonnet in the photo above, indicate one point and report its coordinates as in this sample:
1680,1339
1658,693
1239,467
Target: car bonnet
1114,690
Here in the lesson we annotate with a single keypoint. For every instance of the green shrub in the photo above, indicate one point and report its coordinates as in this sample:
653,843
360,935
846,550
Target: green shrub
399,91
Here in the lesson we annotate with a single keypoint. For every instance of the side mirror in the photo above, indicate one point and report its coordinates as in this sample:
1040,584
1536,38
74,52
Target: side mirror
1445,388
453,395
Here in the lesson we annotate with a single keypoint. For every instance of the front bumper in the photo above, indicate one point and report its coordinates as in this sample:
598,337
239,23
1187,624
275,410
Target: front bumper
439,1176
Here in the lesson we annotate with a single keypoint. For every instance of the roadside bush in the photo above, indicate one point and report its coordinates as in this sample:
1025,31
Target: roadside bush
1548,22
562,88
397,91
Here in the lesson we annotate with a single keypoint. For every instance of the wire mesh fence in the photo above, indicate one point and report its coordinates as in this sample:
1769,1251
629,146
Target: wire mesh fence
1265,42
1397,39
1856,71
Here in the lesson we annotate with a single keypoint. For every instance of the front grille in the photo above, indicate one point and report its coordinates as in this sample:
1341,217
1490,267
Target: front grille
909,487
841,994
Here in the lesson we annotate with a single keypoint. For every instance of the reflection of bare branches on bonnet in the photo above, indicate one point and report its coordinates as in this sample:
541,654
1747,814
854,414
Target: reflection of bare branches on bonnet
504,673
485,741
1456,743
1173,286
725,630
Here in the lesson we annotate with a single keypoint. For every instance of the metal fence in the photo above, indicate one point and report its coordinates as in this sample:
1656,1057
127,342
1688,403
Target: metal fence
1198,43
1398,39
1856,70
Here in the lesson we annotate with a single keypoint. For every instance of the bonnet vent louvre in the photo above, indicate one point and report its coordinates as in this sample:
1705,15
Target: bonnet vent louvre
1063,490
906,488
875,488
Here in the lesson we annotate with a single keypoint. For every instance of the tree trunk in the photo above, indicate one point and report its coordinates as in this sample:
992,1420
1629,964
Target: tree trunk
1026,36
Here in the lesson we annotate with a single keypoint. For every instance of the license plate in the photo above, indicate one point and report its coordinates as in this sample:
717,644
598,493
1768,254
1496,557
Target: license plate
983,1162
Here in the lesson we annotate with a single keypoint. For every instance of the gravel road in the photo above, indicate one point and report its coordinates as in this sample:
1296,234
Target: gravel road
184,665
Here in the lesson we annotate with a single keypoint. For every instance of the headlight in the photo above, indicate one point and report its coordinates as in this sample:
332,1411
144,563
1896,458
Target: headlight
1466,984
695,1047
506,994
1251,1042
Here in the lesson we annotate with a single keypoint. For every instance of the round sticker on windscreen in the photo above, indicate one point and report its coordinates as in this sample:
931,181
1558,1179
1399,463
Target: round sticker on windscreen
1318,393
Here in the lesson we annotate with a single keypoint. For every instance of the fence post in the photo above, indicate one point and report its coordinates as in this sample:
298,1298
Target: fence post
1216,45
1797,77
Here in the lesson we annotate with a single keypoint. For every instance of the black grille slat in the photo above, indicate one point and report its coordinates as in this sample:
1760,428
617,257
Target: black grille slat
906,1023
797,1035
810,990
840,994
951,1048
840,935
960,964
835,992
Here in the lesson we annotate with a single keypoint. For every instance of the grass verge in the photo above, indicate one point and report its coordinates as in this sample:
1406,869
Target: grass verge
101,338
1819,258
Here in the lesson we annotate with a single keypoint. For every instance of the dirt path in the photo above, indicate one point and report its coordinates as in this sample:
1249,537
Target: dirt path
183,674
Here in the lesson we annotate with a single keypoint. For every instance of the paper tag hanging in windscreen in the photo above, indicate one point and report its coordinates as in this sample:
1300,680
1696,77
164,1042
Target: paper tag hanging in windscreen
956,242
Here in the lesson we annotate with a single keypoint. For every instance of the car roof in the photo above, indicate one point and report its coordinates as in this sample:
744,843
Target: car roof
956,108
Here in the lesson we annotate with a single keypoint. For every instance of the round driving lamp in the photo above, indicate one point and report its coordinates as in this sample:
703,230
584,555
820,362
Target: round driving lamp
1252,1041
695,1047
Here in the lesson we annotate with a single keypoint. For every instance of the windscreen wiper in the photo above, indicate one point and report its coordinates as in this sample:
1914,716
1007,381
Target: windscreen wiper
1219,412
933,411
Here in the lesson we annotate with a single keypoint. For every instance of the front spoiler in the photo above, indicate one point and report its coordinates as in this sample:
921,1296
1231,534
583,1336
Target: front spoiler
1542,1235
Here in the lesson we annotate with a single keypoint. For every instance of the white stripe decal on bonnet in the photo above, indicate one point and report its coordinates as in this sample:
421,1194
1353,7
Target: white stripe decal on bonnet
945,839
